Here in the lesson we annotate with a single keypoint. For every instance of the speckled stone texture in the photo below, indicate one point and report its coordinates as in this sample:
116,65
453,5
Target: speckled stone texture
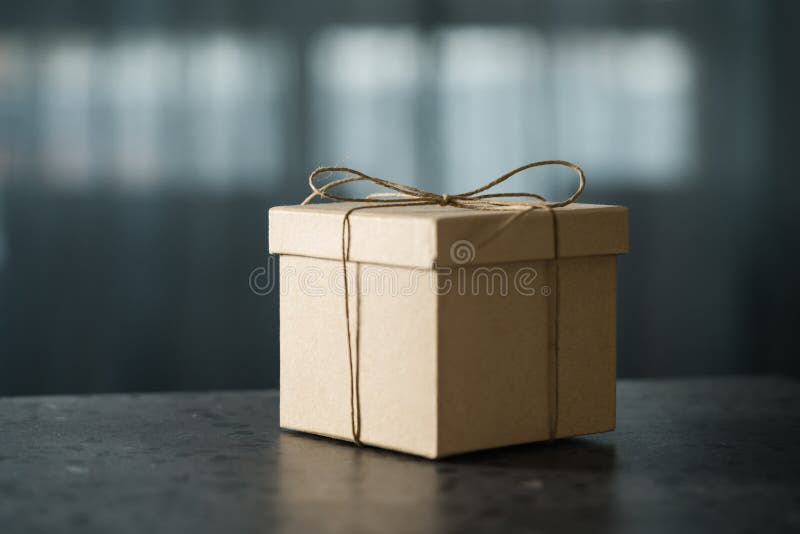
688,456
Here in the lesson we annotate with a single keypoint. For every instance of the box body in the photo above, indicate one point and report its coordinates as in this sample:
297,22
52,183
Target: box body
453,355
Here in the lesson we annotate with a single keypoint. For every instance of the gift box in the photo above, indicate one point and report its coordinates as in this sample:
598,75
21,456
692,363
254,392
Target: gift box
457,342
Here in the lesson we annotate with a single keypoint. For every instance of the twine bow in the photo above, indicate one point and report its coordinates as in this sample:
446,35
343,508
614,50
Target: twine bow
406,194
476,199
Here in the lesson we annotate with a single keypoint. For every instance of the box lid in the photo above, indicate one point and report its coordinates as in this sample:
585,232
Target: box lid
431,235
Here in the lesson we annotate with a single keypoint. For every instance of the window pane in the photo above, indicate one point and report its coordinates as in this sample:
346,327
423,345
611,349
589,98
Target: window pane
624,105
619,104
365,85
235,96
493,105
64,114
141,110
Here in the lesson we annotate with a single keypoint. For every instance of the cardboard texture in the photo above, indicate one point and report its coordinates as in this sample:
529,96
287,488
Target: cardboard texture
454,355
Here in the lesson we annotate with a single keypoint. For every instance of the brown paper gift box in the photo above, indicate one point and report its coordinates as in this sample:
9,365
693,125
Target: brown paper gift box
454,342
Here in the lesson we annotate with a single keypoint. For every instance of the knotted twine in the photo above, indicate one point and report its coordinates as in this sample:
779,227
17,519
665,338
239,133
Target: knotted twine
406,195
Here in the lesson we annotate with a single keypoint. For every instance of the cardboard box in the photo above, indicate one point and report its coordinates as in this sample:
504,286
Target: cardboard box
455,343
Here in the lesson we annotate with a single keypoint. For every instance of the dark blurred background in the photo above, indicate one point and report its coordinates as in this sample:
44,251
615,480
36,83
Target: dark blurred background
142,141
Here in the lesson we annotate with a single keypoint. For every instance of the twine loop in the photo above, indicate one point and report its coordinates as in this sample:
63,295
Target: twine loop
402,195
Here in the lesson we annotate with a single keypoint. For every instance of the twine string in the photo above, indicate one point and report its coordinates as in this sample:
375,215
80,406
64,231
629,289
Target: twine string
402,195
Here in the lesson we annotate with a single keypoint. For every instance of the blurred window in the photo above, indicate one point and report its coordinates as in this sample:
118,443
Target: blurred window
365,89
624,105
496,110
136,111
445,109
620,104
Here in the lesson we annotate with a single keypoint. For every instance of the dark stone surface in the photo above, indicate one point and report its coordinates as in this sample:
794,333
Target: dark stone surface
688,456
